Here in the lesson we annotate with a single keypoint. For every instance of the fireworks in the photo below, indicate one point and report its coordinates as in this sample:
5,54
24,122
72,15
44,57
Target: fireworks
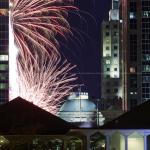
45,82
35,60
37,22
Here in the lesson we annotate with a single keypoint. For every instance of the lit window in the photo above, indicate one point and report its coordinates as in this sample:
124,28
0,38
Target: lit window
3,57
132,15
132,69
146,68
107,62
133,93
3,12
3,67
146,57
146,14
115,62
3,86
107,41
116,76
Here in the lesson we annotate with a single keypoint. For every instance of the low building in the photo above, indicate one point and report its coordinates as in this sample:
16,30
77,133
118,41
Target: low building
130,131
25,127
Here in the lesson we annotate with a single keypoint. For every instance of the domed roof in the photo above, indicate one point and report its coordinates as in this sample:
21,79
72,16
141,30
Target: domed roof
77,103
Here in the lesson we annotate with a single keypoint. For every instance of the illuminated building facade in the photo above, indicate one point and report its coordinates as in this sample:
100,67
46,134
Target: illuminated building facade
111,56
4,19
135,18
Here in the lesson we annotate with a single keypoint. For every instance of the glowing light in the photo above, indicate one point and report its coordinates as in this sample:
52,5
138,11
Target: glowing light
13,73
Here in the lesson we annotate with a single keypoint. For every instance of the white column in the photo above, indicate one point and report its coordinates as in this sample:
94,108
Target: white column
145,142
126,141
107,142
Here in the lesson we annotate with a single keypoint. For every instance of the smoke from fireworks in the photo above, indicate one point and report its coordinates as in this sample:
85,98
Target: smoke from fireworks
35,59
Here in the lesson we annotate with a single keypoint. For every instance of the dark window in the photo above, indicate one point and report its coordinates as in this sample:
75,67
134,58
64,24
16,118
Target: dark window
107,33
133,81
107,76
107,26
115,90
108,69
133,24
115,26
4,4
107,47
115,47
115,55
133,102
107,90
133,7
133,47
115,69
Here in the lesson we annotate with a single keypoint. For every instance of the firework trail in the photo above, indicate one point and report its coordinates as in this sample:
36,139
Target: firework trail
37,22
33,51
49,80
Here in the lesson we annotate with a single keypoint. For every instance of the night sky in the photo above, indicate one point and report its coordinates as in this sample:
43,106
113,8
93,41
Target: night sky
84,49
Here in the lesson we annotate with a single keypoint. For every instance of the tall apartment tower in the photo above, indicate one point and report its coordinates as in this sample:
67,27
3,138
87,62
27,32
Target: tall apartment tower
4,21
111,57
135,42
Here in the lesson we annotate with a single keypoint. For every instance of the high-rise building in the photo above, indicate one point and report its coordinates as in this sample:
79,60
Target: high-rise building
115,4
4,19
111,57
135,42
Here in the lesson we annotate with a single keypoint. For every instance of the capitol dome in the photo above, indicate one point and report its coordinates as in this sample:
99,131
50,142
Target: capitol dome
78,102
78,108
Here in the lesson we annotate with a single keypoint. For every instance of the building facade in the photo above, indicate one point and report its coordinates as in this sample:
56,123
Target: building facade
135,42
111,85
4,35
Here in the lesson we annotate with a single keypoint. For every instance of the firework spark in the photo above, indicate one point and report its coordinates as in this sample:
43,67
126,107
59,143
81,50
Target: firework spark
35,60
37,22
45,82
